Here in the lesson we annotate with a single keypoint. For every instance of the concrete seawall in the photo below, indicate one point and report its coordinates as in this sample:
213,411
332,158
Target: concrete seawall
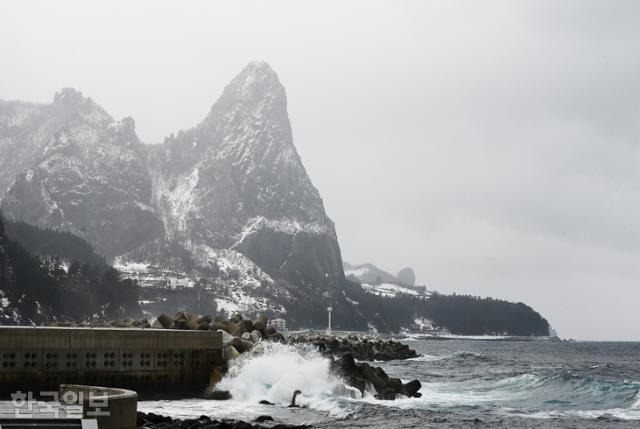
149,361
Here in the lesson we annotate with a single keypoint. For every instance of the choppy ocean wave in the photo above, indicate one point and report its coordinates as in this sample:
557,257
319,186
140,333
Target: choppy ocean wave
460,383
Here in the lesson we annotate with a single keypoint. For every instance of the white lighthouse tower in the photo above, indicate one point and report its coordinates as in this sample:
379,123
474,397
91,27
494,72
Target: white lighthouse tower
329,310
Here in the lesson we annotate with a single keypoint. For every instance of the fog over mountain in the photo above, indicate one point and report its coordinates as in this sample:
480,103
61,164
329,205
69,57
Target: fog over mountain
492,147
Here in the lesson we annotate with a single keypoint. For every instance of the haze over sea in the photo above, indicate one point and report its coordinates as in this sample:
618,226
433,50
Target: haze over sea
476,383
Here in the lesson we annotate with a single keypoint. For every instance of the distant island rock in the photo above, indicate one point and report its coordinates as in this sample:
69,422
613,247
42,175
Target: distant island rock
407,276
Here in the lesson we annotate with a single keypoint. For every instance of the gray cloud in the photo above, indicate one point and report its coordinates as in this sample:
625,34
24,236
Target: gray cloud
493,146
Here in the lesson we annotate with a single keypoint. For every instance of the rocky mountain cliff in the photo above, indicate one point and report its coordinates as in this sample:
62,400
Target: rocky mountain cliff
228,197
236,182
77,169
6,271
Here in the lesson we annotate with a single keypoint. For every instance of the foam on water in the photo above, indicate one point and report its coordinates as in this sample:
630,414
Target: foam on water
273,371
426,358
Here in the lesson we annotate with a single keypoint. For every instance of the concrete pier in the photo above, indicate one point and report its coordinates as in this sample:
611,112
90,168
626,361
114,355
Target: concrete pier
148,361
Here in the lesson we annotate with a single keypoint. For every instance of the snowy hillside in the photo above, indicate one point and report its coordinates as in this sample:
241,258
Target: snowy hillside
391,290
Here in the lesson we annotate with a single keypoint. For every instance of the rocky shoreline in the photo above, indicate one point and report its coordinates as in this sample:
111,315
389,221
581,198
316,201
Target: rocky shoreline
156,421
359,375
367,348
240,335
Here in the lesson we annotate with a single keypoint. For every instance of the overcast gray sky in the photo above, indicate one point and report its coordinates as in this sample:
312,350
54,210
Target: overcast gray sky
493,146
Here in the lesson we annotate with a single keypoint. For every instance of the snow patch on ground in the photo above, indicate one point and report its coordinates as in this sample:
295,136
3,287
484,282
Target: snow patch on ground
390,290
237,283
356,272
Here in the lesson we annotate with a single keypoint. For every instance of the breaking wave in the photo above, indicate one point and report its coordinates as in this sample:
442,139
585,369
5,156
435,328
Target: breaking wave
273,371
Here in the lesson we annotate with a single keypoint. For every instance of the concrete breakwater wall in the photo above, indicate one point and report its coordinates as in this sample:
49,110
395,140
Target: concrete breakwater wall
150,361
116,408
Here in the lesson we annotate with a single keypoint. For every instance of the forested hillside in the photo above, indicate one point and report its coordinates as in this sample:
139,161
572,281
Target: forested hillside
459,314
37,289
53,243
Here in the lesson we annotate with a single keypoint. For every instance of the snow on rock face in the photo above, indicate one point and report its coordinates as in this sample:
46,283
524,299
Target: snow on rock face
90,177
236,181
232,190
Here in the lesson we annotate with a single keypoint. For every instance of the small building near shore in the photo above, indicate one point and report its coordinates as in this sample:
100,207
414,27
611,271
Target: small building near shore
279,324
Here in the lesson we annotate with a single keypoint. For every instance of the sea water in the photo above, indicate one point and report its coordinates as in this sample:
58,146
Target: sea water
465,383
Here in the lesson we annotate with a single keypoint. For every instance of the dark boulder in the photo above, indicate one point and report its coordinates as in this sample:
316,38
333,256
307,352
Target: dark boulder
387,395
359,375
260,323
204,319
411,389
247,326
180,320
241,345
261,419
165,321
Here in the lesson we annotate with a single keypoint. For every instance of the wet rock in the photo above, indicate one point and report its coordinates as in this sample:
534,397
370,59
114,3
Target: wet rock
241,345
359,375
411,389
265,402
260,323
256,335
261,419
230,353
387,395
365,349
